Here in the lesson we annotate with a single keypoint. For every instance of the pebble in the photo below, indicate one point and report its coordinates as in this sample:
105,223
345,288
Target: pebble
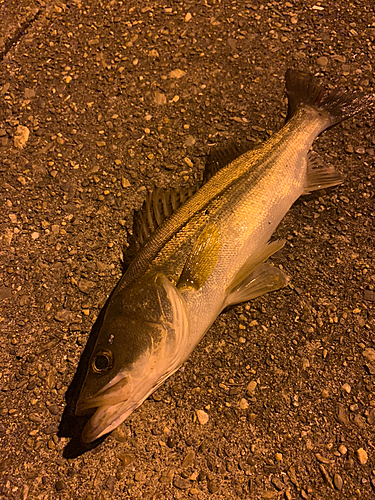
177,73
160,98
59,485
85,286
166,476
337,481
322,61
21,137
342,415
212,486
188,16
279,485
202,416
190,141
63,315
244,405
189,459
369,295
362,456
343,449
181,483
346,388
251,387
369,354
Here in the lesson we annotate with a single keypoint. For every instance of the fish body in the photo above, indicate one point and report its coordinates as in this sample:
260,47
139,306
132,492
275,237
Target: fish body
206,254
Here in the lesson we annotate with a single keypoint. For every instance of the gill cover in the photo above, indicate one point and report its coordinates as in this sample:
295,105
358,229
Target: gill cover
145,330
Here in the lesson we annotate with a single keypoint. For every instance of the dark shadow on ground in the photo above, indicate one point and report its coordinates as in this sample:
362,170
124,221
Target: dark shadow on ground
71,425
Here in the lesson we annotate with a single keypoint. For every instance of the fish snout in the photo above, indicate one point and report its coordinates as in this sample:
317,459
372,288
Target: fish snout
111,394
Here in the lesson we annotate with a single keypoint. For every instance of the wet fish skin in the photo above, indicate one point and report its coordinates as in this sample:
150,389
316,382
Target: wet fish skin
208,254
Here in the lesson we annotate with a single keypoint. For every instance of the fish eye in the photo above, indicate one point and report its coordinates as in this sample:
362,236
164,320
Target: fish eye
102,362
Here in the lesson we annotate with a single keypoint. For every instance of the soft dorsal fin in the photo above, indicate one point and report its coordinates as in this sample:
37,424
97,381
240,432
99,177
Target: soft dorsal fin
157,207
219,157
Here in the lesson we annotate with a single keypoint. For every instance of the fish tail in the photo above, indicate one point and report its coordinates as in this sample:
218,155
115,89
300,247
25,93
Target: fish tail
304,90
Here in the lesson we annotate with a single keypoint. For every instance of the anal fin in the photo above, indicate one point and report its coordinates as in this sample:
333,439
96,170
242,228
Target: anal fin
319,174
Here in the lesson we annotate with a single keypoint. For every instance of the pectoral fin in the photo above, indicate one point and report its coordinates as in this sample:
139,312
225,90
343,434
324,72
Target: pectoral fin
319,174
202,259
255,278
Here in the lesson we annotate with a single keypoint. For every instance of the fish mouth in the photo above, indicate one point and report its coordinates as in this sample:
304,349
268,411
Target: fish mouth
112,394
106,418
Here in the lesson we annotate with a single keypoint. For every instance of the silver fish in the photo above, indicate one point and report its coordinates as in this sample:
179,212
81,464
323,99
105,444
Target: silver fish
205,251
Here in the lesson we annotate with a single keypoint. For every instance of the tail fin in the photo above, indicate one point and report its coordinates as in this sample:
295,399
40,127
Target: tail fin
304,90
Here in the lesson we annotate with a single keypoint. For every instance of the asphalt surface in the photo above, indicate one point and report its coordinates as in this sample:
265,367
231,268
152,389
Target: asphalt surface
100,101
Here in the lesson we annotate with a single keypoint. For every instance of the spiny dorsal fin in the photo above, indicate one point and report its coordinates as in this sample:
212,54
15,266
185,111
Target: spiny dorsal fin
221,156
157,207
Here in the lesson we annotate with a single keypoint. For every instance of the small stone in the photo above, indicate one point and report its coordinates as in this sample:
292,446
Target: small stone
343,449
212,485
177,73
360,150
369,295
188,17
160,98
28,93
342,415
21,137
322,61
279,485
166,476
181,483
369,354
346,388
35,235
244,405
251,387
126,459
59,485
125,182
349,148
338,482
188,162
189,459
63,315
322,459
362,456
85,286
190,141
371,417
139,477
202,416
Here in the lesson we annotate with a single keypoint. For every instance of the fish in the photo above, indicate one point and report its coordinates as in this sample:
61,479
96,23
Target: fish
202,250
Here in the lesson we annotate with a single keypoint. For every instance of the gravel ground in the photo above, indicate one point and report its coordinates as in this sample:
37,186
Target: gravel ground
100,101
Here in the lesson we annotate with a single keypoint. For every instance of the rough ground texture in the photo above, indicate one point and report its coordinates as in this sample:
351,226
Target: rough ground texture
119,96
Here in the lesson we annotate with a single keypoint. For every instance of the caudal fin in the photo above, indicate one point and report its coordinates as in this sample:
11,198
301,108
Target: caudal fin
304,90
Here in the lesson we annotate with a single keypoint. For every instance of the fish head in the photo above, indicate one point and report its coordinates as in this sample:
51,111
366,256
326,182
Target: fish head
141,342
